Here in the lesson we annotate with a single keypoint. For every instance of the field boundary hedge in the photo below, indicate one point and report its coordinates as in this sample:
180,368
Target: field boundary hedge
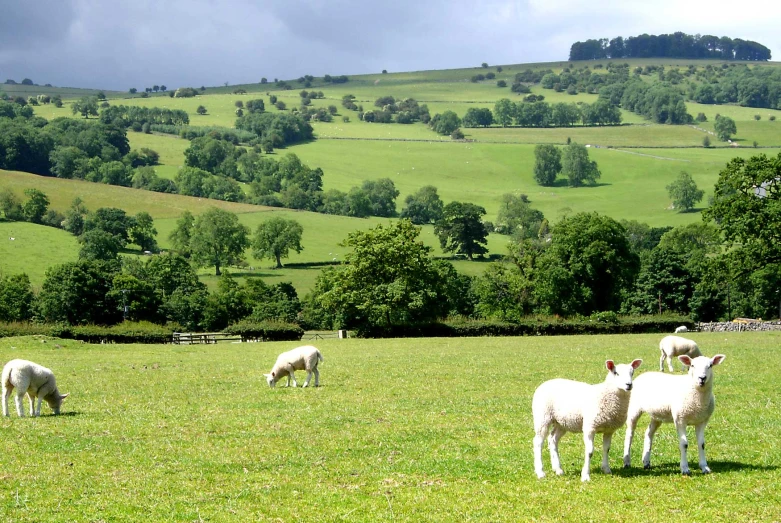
532,327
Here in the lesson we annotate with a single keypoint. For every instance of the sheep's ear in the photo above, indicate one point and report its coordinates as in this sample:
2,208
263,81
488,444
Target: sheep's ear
273,374
63,396
685,360
636,363
610,365
718,358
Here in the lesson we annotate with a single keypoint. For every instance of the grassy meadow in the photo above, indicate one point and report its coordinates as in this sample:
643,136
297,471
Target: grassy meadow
400,430
637,159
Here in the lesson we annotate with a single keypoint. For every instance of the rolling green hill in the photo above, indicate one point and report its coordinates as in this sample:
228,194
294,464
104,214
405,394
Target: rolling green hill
637,159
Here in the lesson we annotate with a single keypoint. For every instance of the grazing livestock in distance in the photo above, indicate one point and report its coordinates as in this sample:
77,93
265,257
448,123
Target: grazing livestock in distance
674,346
35,381
301,358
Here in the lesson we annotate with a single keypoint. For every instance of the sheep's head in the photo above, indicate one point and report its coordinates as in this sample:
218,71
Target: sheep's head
621,375
701,368
55,401
271,379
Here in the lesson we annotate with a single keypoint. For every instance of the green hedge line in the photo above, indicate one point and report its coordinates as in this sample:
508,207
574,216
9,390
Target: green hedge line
128,332
266,331
532,327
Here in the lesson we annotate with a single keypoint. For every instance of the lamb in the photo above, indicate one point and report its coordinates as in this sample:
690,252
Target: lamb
674,346
682,328
682,400
300,358
572,406
34,380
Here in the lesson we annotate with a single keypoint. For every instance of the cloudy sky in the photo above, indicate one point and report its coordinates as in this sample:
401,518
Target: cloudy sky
112,44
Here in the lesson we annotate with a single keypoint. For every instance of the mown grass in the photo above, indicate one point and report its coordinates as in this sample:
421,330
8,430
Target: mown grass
401,430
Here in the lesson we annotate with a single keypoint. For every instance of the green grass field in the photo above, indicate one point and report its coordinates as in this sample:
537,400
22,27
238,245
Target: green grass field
401,430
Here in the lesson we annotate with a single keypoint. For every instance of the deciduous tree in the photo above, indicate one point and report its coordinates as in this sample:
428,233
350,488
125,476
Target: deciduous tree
275,238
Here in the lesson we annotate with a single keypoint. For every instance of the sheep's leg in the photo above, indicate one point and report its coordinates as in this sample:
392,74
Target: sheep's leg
291,374
588,440
18,399
700,431
38,410
606,439
6,395
661,362
670,364
539,437
317,377
31,399
649,441
553,446
308,377
683,445
631,425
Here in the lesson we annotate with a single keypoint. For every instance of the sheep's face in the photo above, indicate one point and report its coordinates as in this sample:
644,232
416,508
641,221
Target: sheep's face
701,368
621,375
55,402
270,379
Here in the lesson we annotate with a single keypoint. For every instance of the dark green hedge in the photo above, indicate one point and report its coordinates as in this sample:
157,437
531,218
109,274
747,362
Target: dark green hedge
531,327
266,331
128,332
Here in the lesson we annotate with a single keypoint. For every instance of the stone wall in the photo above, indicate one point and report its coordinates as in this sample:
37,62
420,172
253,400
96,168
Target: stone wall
739,326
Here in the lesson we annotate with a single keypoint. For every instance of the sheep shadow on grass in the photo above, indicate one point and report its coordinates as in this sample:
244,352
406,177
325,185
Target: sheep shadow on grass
673,468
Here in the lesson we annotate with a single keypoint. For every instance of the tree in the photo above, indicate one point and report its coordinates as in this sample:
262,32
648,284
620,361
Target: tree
35,207
724,127
577,167
547,164
78,293
10,205
588,266
143,232
389,279
97,244
16,298
275,238
517,218
445,123
684,193
86,106
745,207
132,90
664,283
478,117
182,234
111,220
423,207
201,110
218,239
461,229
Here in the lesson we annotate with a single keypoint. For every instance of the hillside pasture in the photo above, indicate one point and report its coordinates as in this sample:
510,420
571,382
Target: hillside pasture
193,433
29,248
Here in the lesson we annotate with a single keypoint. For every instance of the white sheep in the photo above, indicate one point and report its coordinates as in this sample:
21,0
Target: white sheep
682,328
571,406
674,346
300,358
34,380
682,400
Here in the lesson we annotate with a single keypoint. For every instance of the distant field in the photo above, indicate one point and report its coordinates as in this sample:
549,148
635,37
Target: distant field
29,248
162,434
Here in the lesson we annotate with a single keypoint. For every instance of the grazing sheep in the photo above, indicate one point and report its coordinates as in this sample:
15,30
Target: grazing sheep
300,358
674,346
33,379
571,406
682,400
682,328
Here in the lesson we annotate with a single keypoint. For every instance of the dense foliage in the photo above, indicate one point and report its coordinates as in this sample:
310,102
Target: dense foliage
676,45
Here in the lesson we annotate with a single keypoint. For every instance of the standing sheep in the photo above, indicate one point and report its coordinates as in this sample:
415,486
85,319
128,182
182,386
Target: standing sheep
300,358
674,346
682,328
34,380
682,400
572,406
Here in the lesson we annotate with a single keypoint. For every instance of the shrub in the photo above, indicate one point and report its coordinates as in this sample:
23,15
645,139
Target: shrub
266,331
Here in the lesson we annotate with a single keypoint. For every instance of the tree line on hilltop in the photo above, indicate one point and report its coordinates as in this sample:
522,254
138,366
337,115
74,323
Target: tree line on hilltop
675,45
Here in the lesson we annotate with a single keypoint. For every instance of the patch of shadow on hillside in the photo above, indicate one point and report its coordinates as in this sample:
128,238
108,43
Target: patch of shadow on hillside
563,182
